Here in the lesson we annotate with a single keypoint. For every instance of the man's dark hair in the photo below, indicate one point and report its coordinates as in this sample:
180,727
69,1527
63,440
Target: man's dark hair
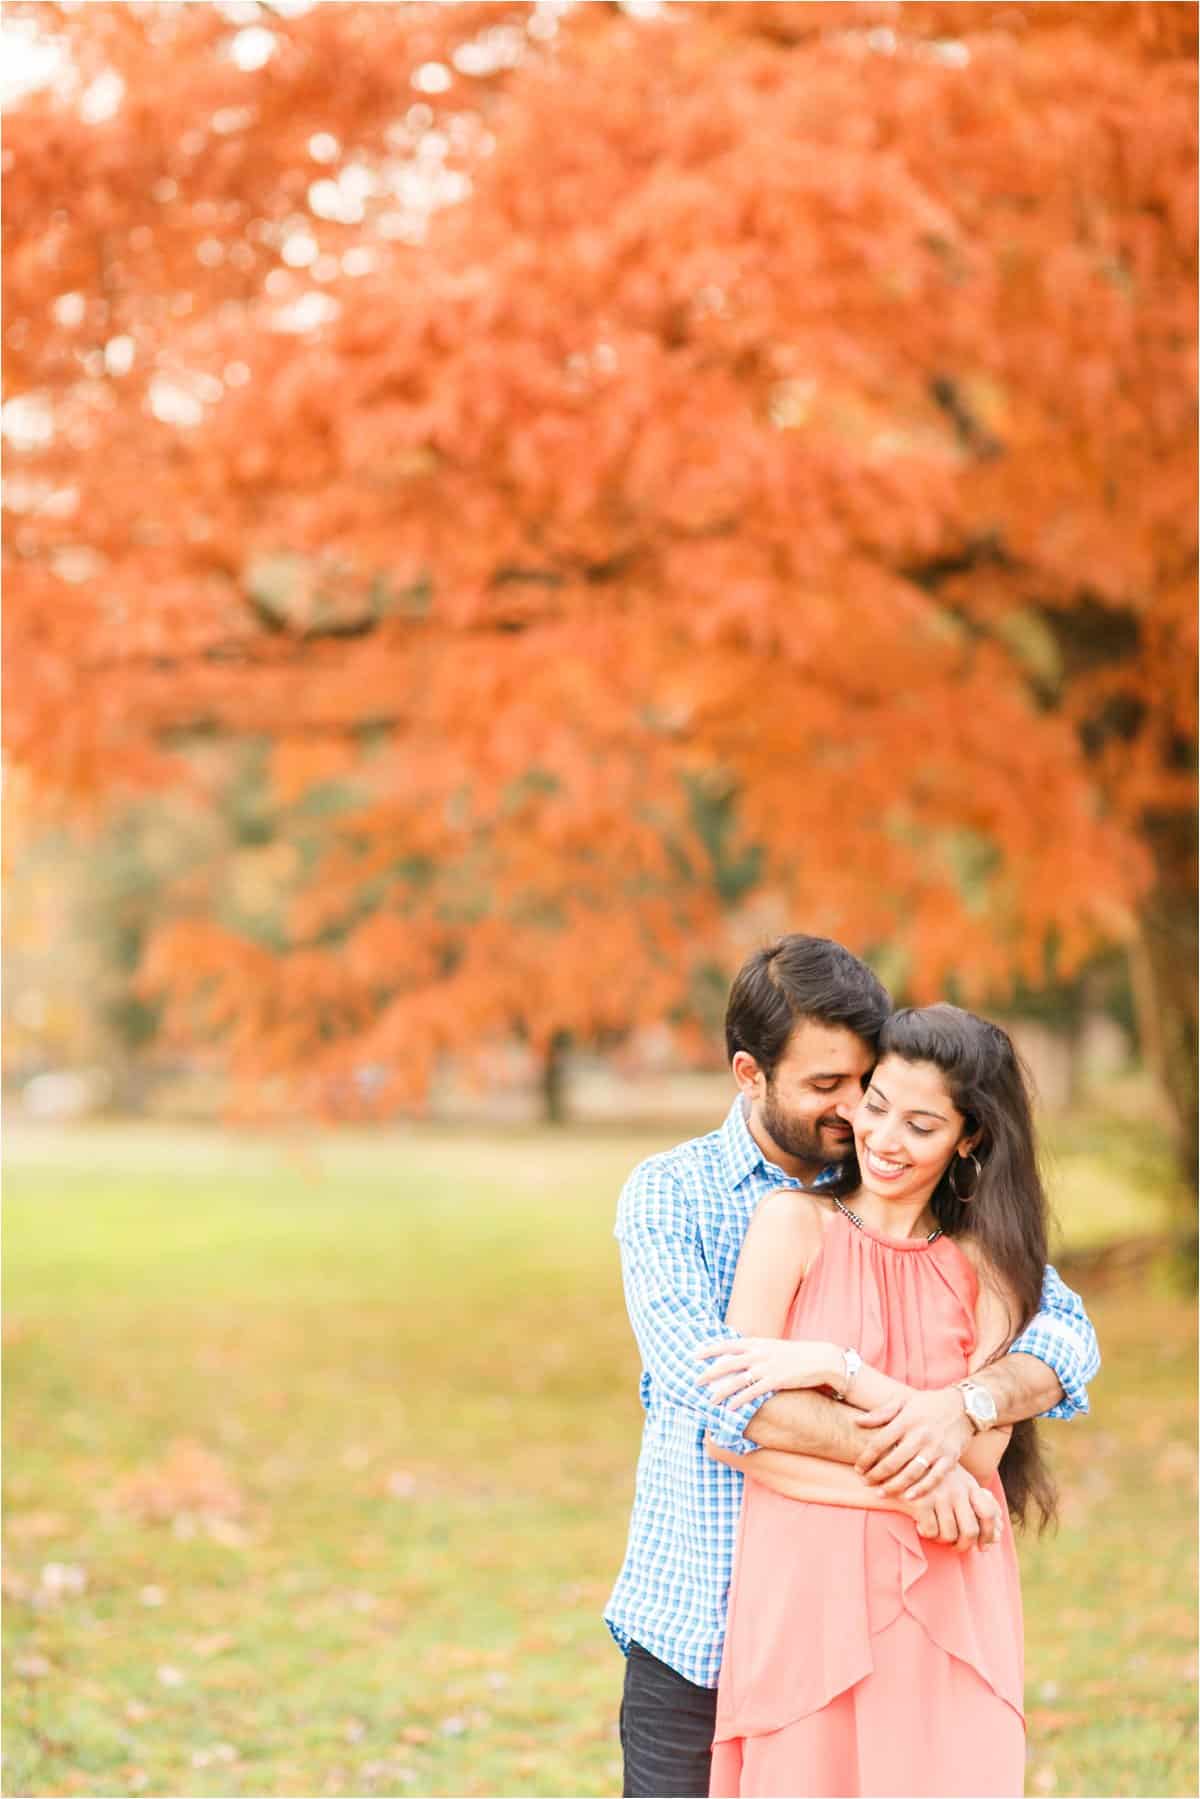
800,977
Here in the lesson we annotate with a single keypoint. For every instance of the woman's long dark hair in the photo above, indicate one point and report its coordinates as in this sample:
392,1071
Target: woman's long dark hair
1007,1214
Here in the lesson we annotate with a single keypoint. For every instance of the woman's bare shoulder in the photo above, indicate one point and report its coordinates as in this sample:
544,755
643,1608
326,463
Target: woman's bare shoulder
793,1211
790,1200
991,1281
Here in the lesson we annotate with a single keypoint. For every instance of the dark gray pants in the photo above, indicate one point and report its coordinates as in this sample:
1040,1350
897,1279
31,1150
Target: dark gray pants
666,1730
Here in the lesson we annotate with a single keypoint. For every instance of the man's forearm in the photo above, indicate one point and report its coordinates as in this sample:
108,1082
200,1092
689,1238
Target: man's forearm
809,1423
1023,1386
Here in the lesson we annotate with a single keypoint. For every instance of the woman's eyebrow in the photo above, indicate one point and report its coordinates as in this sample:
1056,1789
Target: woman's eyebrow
913,1111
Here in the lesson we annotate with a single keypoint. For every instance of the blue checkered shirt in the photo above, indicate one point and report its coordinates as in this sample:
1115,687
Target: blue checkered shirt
680,1223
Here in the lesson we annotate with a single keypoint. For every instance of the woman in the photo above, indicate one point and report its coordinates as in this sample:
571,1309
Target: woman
860,1659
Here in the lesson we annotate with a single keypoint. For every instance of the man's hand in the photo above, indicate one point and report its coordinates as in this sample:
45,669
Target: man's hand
913,1443
957,1511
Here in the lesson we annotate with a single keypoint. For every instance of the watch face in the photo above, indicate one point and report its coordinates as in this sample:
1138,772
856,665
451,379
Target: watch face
981,1405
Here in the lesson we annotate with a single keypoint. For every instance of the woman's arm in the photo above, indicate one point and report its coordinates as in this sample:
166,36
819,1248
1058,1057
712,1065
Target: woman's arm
773,1366
780,1246
778,1249
810,1478
870,1389
783,1238
960,1512
995,1314
782,1241
983,1455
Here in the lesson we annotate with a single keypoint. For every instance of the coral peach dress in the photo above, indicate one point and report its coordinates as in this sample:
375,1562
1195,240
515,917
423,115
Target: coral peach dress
860,1659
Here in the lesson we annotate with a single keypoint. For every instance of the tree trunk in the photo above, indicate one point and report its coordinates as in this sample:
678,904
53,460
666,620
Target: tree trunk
1165,975
554,1079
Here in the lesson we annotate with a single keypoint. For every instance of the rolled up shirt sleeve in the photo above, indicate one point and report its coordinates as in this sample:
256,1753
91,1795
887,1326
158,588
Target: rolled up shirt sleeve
1061,1335
672,1300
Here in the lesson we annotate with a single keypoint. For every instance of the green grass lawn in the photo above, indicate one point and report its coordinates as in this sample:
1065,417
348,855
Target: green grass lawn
319,1462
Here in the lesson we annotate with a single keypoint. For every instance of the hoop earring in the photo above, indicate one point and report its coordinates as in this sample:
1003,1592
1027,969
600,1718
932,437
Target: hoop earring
957,1163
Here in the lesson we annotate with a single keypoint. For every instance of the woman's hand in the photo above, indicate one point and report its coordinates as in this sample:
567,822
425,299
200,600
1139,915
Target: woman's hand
745,1368
958,1510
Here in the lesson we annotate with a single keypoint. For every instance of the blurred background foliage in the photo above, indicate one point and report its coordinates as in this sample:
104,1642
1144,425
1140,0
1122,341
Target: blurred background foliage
584,489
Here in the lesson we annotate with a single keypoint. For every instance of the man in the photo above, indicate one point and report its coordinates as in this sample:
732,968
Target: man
801,1027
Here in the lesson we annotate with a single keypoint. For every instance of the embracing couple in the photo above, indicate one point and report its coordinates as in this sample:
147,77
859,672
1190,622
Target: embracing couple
843,1295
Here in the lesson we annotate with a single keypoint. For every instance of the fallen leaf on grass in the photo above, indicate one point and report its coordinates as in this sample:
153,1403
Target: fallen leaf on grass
13,1586
216,1752
31,1527
1177,1463
415,1733
226,1531
394,1773
188,1480
1047,1722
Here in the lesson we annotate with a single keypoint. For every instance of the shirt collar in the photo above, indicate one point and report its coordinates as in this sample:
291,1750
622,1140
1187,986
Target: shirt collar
742,1156
739,1152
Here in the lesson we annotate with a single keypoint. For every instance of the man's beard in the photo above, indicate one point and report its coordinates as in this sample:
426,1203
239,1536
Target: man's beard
804,1141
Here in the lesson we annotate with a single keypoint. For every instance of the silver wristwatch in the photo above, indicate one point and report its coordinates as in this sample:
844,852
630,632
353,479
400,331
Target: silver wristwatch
979,1405
852,1362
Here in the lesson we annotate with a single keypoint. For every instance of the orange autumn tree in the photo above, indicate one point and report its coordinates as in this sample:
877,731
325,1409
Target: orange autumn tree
666,473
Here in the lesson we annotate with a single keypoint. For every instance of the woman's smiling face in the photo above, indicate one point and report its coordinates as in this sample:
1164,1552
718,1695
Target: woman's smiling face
906,1128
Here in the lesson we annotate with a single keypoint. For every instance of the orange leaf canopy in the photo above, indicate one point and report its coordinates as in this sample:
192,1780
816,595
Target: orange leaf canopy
672,475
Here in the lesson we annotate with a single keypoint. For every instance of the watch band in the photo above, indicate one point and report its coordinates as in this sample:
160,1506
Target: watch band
967,1388
852,1362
